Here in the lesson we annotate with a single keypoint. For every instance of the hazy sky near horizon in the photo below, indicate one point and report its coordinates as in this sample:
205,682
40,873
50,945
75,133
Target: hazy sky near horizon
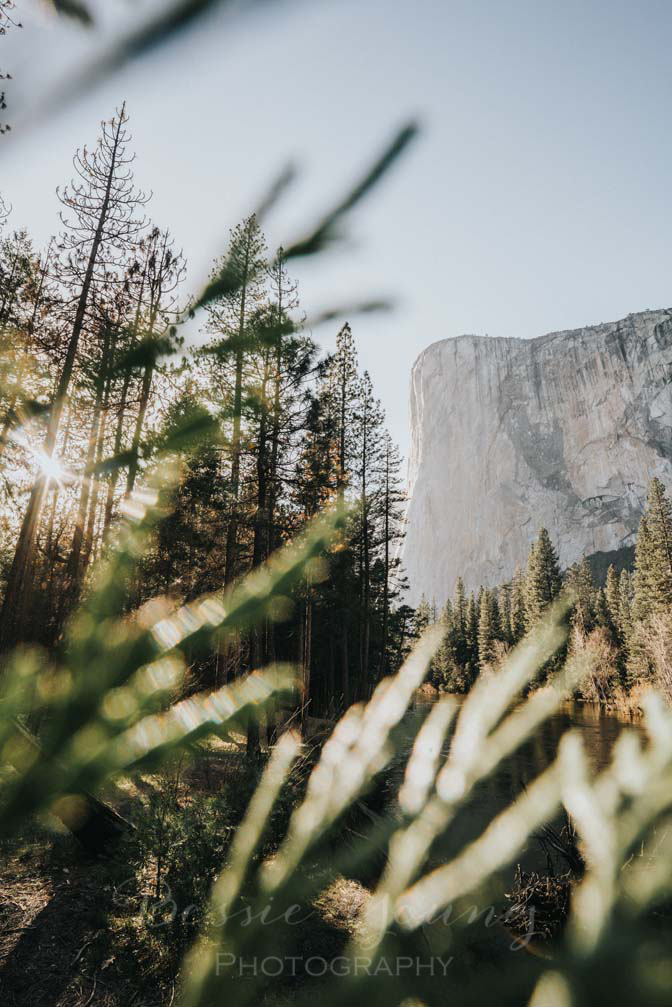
537,198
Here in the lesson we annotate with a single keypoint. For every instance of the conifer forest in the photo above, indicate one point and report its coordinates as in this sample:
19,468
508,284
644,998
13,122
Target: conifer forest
271,432
245,757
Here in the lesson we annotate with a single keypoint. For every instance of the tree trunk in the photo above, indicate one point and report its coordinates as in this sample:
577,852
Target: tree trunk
142,411
19,581
87,547
118,439
74,562
232,528
386,571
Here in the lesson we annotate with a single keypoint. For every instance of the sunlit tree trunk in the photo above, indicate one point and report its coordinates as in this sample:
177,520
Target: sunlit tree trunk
232,527
20,576
75,568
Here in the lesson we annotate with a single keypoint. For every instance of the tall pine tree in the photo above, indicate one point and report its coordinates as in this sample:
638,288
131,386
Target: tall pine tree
543,578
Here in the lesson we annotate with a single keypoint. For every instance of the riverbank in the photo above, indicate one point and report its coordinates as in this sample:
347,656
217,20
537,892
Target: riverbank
628,706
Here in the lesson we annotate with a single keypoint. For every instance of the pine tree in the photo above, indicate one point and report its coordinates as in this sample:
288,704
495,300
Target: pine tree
642,588
343,380
231,320
625,605
162,269
486,629
30,324
422,617
601,612
579,580
17,270
341,400
470,660
370,468
504,601
543,578
291,357
653,555
442,660
460,607
659,526
517,618
460,624
101,221
393,498
652,581
612,596
495,613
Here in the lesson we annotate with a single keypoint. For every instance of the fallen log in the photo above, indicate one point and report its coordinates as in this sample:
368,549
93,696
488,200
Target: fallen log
95,825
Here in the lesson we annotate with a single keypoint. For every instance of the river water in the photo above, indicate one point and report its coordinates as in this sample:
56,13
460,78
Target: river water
598,729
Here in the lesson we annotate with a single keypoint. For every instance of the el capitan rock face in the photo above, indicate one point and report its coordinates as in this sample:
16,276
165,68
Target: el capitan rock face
564,430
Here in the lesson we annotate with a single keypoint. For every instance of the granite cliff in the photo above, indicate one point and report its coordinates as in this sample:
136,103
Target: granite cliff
564,430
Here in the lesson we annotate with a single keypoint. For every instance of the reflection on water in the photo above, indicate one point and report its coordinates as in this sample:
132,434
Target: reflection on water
599,731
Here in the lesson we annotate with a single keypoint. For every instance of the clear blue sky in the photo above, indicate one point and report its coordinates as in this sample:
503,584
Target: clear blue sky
539,196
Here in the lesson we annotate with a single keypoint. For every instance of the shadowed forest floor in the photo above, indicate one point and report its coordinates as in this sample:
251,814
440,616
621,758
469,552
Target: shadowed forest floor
72,934
74,930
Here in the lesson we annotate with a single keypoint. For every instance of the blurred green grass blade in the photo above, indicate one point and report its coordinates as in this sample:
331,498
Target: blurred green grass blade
432,810
425,756
358,749
160,27
74,9
194,429
491,697
201,970
326,229
96,751
105,650
496,848
340,311
150,741
146,353
154,31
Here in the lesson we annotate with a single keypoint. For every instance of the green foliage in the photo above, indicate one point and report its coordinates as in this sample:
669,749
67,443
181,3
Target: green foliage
651,583
614,813
517,607
580,581
625,605
106,700
543,578
180,845
487,629
294,434
95,702
653,558
408,893
623,623
612,598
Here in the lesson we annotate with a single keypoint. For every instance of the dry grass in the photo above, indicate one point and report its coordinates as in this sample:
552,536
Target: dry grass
539,904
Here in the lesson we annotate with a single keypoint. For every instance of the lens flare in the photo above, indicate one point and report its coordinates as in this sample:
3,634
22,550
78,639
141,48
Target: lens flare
51,467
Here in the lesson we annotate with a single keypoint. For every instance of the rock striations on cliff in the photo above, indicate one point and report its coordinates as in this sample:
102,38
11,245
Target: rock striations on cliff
564,430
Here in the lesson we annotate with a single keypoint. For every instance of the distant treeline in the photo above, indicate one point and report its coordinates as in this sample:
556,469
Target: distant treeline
626,625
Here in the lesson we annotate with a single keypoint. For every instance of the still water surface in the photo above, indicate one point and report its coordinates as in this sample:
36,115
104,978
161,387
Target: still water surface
598,729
